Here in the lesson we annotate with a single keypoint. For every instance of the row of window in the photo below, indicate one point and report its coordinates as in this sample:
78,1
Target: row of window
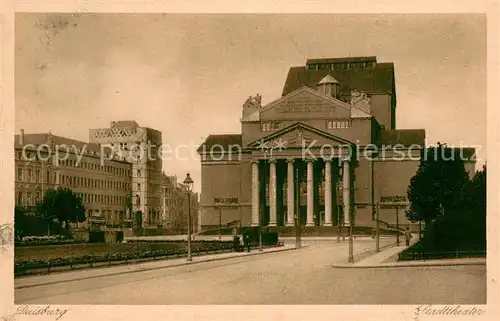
28,199
32,156
78,181
31,199
270,126
33,176
95,167
336,124
104,199
73,163
342,65
330,124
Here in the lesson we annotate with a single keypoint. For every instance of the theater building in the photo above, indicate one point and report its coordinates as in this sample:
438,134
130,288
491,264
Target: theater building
328,150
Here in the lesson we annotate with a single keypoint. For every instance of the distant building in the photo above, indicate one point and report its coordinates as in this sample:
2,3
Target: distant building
103,187
175,217
301,154
139,146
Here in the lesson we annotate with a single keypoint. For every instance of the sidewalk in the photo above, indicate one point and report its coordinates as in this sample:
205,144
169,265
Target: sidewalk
32,281
388,258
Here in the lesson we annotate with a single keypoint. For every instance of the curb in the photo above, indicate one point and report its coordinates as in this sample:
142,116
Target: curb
153,268
397,265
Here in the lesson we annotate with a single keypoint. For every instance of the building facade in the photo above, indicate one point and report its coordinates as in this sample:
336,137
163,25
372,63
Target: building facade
139,146
175,200
45,161
327,152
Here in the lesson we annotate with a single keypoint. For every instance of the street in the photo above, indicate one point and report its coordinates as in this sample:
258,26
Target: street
302,276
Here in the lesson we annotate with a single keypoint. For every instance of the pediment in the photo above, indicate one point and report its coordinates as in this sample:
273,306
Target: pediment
305,100
299,135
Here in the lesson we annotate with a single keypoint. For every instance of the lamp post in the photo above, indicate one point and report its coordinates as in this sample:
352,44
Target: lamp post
351,222
397,225
188,182
351,243
338,224
220,223
377,240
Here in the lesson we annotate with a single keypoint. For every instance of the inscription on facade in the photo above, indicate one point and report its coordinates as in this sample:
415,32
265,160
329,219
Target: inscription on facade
393,199
305,103
226,201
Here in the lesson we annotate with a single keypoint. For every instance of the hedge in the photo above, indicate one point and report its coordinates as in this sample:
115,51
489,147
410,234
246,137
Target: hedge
22,267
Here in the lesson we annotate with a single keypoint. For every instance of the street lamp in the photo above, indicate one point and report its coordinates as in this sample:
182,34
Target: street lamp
397,225
220,223
189,185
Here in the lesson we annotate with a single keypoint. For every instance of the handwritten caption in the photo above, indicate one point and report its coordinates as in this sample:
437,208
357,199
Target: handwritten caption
41,311
429,310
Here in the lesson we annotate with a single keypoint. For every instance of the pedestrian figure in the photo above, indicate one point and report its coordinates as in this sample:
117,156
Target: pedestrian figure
407,236
236,243
242,240
246,242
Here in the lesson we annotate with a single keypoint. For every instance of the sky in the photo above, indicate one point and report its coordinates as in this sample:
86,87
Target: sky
188,75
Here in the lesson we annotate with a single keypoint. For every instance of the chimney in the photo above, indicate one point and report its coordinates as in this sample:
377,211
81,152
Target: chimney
21,137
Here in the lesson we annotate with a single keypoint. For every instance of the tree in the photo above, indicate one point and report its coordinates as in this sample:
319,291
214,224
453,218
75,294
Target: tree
19,221
128,204
459,223
138,219
62,204
477,191
440,184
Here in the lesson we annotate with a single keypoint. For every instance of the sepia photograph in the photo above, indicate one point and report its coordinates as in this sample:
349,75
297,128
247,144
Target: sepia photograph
250,159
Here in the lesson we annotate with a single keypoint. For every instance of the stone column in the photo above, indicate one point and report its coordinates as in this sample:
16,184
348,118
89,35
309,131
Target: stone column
272,193
346,179
290,194
328,193
255,193
310,194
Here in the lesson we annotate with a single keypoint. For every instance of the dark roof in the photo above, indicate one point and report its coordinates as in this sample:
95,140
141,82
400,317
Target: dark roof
377,79
44,138
125,123
406,137
221,140
343,59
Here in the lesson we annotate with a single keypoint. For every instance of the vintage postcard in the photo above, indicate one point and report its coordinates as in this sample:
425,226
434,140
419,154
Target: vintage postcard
323,163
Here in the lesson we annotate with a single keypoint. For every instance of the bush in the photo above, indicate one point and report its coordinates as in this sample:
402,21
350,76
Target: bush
47,241
96,237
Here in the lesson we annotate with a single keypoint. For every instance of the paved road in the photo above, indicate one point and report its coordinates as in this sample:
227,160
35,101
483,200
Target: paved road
304,276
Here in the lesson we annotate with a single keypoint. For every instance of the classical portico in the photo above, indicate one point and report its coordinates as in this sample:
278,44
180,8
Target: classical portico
307,172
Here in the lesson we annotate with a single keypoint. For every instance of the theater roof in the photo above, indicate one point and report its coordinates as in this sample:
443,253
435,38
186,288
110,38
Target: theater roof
378,78
405,137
